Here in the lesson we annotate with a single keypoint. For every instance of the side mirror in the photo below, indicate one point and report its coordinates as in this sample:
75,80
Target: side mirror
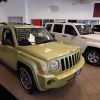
7,42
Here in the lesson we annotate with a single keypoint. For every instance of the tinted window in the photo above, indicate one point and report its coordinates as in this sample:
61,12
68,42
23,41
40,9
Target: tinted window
58,28
0,29
7,35
70,30
48,27
96,28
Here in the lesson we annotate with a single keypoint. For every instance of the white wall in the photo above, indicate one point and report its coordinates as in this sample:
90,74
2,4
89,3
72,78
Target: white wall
12,8
68,9
39,9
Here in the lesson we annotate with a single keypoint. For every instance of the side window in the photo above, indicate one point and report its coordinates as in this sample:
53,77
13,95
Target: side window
96,28
7,36
70,30
48,27
0,29
58,28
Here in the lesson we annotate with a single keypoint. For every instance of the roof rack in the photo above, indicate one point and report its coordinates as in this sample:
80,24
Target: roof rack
19,24
4,23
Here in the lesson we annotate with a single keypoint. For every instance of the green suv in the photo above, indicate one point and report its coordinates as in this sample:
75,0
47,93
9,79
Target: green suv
40,61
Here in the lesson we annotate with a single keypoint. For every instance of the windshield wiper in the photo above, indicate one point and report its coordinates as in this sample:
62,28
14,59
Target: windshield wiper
46,41
49,41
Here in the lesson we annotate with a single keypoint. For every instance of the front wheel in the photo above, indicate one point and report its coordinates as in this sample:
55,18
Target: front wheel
27,80
93,57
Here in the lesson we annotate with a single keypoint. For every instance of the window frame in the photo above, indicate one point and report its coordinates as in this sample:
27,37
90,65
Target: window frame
11,36
57,31
70,32
49,27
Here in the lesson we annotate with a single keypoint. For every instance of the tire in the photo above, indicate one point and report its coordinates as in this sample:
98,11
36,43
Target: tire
27,80
92,57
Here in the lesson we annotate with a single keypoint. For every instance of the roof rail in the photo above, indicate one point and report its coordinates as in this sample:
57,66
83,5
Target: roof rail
21,24
4,23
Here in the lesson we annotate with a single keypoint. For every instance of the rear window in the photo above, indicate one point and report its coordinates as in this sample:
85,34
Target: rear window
48,27
58,28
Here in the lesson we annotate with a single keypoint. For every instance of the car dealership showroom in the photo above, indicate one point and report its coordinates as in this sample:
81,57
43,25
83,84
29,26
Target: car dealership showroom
49,49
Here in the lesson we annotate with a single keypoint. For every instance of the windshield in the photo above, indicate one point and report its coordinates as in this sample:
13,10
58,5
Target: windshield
29,36
84,29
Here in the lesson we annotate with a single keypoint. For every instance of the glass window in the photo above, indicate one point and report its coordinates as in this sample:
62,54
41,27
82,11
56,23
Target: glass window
84,29
29,36
7,36
48,27
70,30
96,28
58,28
0,29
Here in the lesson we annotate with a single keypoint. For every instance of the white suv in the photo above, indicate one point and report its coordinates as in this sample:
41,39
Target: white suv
79,34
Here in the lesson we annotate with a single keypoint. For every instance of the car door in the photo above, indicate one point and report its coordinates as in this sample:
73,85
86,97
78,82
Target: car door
0,42
70,35
7,48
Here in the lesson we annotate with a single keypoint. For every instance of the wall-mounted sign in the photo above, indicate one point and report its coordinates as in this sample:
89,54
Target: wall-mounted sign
96,10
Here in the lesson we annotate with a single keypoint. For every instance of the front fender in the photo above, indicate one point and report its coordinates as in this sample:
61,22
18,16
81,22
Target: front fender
33,63
90,44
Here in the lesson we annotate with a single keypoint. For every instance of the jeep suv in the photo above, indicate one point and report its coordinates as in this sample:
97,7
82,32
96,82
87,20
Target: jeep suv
79,34
41,61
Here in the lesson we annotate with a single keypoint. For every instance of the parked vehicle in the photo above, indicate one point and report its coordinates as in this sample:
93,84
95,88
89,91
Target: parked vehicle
40,61
96,29
79,34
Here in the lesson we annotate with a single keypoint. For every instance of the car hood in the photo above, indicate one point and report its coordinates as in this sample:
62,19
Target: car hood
95,37
48,51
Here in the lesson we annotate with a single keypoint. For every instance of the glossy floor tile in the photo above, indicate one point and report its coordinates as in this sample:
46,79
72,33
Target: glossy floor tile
84,87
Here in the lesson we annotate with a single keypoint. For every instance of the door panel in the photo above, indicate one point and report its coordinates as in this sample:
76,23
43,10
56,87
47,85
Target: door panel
8,52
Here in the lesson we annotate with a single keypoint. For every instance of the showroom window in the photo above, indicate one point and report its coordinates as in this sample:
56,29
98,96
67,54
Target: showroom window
58,28
48,27
70,30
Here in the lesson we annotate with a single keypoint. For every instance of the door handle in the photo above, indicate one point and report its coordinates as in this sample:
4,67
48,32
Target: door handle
64,35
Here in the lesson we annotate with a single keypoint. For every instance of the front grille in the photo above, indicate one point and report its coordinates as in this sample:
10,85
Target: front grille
70,61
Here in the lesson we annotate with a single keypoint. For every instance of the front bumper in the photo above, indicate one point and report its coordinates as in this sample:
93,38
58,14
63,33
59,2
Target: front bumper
55,81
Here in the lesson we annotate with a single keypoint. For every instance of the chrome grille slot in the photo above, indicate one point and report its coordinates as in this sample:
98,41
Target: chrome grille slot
70,61
73,59
66,61
62,64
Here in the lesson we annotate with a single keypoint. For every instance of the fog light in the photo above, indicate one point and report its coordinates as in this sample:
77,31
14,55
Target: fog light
50,82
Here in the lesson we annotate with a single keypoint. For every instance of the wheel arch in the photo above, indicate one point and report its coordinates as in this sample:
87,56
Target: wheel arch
89,47
30,68
20,64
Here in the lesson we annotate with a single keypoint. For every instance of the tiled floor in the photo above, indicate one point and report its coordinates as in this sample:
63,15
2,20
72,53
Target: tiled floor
84,87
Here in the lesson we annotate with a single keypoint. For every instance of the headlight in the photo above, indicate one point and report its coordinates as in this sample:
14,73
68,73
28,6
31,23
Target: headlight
54,65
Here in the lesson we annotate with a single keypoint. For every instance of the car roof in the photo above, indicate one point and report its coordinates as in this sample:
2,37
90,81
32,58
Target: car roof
21,26
67,23
96,25
26,26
